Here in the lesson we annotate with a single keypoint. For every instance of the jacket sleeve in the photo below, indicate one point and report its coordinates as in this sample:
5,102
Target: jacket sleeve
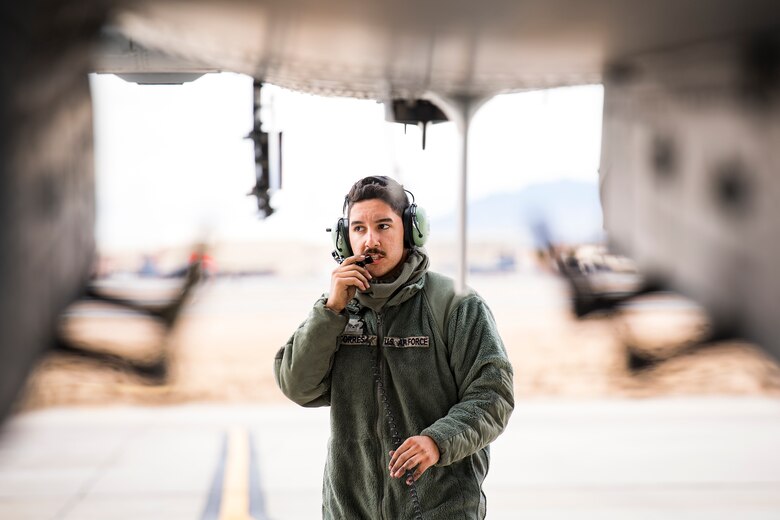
302,366
484,377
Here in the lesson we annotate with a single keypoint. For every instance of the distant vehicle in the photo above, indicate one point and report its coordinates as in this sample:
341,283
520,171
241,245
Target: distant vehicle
689,158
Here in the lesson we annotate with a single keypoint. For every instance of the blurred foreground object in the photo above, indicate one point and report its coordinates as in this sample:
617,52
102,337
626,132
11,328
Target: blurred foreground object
150,364
689,177
46,175
599,280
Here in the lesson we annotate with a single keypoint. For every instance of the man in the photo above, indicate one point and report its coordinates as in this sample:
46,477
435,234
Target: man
411,420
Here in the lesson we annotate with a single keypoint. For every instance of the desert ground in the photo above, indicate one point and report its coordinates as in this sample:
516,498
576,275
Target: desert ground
222,347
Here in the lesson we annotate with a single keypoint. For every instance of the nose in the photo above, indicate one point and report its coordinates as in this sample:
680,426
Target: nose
372,239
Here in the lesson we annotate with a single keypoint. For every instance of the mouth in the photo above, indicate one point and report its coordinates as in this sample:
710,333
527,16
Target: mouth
375,257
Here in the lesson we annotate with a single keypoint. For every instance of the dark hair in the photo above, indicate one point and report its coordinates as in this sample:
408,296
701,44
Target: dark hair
378,187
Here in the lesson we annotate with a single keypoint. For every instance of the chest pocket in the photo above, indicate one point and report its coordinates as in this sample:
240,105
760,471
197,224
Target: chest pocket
356,333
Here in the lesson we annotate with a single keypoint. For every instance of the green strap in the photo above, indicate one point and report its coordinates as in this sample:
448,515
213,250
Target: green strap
443,299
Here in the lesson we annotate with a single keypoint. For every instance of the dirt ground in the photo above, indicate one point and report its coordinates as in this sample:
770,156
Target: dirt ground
222,348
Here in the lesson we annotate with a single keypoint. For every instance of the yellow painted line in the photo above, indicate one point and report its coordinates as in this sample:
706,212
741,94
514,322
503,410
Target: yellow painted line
235,486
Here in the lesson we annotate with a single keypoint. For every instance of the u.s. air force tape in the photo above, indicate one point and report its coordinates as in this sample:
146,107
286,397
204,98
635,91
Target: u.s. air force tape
390,341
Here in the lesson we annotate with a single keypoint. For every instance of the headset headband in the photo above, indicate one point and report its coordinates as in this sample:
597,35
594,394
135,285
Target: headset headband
386,180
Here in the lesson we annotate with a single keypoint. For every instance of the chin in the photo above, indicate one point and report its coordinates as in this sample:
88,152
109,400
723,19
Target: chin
379,272
383,270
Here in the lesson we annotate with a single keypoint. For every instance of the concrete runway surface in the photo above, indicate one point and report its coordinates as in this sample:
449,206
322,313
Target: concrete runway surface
713,458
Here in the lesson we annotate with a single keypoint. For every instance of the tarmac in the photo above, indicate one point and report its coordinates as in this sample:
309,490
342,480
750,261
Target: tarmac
678,458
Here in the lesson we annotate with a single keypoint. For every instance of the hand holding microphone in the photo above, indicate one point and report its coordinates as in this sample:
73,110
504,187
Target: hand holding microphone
346,279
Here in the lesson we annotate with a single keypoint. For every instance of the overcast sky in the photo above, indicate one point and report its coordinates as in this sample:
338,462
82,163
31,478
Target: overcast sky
172,163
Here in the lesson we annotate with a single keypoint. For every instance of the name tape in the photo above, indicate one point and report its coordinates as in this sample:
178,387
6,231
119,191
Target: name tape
390,341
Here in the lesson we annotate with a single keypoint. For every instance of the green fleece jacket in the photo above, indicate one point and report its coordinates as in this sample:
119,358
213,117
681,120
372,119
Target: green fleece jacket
445,374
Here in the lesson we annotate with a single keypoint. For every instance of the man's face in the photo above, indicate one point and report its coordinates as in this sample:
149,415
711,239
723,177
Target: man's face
376,230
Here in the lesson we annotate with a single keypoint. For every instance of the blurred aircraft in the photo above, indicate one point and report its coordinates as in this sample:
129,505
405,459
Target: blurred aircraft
690,129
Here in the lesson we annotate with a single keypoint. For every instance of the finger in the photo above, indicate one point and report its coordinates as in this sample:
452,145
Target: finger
407,465
400,459
397,469
394,456
353,281
422,468
409,459
352,273
357,270
416,475
352,259
398,452
352,268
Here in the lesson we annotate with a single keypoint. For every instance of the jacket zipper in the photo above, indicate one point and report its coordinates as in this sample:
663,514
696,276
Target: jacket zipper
380,339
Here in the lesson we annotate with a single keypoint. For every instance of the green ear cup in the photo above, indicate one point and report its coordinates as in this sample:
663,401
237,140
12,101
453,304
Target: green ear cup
340,236
420,227
416,227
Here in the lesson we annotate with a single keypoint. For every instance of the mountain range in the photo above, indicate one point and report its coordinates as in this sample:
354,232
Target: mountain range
564,212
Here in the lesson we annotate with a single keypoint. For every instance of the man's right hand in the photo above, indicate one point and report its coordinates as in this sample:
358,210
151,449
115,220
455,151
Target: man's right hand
345,280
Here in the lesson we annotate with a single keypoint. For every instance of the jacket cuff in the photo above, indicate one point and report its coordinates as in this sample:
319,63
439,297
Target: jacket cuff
323,316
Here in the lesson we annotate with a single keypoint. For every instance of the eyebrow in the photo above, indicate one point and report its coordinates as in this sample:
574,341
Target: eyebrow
380,221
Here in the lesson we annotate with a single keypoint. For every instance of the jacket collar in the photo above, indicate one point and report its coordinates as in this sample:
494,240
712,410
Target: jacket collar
409,281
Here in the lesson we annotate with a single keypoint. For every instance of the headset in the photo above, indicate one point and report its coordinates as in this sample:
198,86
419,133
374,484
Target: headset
415,222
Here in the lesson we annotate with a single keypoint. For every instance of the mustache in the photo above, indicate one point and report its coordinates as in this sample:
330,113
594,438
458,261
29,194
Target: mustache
374,251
